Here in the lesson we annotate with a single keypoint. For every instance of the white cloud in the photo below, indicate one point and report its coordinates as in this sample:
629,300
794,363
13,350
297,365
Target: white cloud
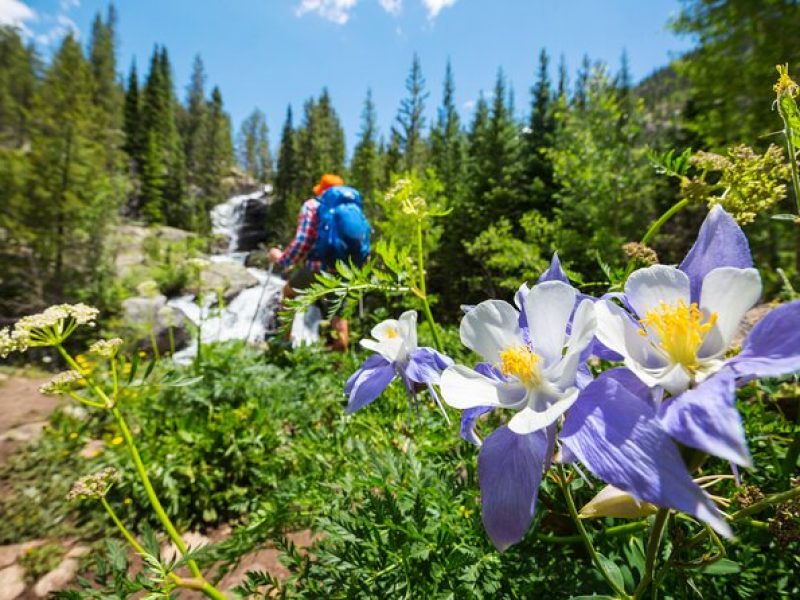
393,7
434,7
62,25
337,11
67,5
16,14
469,105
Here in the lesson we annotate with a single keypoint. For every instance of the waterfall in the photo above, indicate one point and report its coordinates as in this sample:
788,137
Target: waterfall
251,315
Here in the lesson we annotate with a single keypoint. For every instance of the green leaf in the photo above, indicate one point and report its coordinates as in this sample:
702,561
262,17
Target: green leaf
591,598
612,570
785,217
723,566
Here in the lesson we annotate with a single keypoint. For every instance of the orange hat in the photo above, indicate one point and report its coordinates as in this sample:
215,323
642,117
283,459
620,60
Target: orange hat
326,181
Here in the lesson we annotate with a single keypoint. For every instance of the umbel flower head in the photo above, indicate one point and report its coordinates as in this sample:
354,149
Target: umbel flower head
674,331
106,348
48,328
94,486
61,383
396,355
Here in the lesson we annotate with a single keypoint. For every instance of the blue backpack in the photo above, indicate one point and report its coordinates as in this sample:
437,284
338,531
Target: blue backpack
343,232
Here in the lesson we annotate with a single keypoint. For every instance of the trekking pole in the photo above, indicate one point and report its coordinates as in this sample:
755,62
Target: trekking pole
260,300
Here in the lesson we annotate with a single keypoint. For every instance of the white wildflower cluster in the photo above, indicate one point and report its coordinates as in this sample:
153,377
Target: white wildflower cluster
94,486
403,191
61,383
106,348
46,328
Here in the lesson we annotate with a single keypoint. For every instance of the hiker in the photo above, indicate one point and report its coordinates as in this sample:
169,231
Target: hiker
330,227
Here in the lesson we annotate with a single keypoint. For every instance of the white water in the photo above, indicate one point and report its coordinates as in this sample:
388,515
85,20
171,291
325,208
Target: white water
250,315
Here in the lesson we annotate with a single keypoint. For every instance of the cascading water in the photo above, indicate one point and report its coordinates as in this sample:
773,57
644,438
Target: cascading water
251,314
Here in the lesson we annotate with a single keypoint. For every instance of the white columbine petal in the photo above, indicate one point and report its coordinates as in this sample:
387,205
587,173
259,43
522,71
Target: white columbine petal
490,328
463,388
617,330
548,307
729,292
541,411
407,324
647,288
391,349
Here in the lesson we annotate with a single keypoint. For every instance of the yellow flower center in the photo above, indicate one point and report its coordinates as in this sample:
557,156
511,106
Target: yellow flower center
680,328
522,364
391,333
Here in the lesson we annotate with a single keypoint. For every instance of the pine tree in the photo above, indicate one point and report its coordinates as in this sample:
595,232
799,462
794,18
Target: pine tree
135,141
447,142
541,127
286,178
579,97
102,56
216,157
365,170
392,157
320,143
17,86
72,197
562,89
253,147
411,119
195,122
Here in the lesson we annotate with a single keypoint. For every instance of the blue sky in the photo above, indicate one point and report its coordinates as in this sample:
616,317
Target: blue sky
270,53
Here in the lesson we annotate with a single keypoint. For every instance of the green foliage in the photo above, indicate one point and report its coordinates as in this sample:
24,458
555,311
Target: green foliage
604,178
40,560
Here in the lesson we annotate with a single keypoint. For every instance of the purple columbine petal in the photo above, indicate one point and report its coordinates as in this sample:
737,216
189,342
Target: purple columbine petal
554,272
510,469
373,361
469,418
488,370
425,365
772,348
720,243
368,382
615,434
706,418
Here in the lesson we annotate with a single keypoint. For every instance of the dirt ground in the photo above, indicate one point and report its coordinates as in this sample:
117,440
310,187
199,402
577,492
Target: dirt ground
23,410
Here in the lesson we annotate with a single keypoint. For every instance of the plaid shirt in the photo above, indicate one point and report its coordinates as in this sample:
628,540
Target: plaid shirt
304,238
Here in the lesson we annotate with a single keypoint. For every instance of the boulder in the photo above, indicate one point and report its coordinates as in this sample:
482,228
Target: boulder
228,276
12,582
57,578
252,228
128,244
146,314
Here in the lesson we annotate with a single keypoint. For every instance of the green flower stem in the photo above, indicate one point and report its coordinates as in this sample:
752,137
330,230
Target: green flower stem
616,530
123,530
151,494
653,545
655,227
423,290
788,133
564,485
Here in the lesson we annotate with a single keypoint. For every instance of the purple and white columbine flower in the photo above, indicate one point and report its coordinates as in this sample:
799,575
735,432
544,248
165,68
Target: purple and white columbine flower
532,358
396,355
674,335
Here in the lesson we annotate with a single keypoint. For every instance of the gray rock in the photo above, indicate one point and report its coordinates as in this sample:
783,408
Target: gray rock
57,578
143,315
12,582
228,276
128,244
24,433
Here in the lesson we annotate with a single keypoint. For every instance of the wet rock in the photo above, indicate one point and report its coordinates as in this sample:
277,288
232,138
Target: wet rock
143,314
12,582
58,578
